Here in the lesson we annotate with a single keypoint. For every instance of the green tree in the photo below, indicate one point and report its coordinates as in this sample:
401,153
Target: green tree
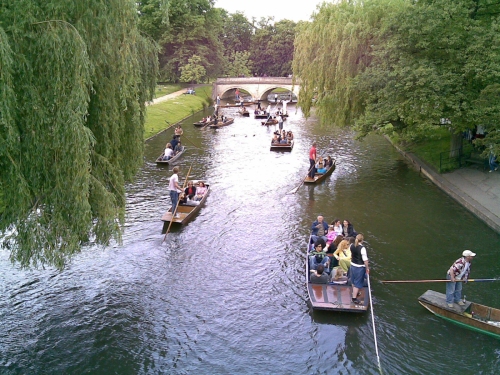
272,47
193,71
239,64
194,29
71,122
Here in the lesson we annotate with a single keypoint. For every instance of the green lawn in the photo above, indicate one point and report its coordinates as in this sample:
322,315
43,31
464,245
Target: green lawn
162,115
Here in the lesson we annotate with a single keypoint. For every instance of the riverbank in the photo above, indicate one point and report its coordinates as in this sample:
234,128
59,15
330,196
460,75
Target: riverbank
169,109
475,189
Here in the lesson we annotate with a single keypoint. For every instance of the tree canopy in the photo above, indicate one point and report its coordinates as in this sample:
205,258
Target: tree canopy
74,79
401,66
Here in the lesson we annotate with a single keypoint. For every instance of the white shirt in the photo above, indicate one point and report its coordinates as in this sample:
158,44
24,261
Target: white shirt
173,180
169,152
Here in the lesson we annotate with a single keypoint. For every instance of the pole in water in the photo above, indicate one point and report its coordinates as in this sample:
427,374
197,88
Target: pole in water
373,322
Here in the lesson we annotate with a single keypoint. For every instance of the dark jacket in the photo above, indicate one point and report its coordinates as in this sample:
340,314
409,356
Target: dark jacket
314,230
350,231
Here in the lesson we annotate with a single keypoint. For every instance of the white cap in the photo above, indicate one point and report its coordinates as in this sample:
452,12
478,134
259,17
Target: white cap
468,253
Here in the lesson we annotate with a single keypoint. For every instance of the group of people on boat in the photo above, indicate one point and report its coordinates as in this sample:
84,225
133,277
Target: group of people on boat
173,147
282,137
317,164
215,119
337,255
192,195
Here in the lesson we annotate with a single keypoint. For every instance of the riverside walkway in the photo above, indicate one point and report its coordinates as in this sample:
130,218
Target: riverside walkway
476,189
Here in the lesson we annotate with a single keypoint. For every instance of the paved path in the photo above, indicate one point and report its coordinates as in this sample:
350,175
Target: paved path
166,97
476,189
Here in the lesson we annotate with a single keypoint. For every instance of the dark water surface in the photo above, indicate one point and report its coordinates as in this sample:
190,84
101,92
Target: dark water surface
226,294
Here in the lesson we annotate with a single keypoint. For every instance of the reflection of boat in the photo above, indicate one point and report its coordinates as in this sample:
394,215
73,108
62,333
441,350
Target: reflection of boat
160,160
244,112
185,211
334,297
282,146
201,123
319,177
472,315
271,121
227,121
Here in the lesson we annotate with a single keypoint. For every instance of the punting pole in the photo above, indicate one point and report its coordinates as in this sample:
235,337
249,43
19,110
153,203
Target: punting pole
437,281
373,322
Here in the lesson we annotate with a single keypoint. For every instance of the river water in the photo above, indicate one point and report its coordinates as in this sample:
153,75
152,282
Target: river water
226,293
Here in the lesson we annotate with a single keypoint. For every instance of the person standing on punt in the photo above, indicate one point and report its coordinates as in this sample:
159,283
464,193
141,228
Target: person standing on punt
312,161
175,189
459,270
359,267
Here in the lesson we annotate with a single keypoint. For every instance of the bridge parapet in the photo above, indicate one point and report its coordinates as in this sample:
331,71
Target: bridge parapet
258,87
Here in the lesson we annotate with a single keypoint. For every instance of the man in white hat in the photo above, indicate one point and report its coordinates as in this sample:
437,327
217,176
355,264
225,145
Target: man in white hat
459,270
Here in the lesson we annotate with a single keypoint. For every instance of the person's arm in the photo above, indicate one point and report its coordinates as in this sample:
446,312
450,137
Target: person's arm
364,256
336,254
452,274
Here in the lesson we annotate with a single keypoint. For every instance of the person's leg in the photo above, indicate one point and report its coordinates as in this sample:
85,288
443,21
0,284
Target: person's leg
311,168
450,290
457,295
174,197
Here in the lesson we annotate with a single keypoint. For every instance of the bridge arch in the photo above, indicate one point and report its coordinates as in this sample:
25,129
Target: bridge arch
257,87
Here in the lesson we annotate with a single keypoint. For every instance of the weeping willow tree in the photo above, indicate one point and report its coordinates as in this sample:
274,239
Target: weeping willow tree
331,51
74,79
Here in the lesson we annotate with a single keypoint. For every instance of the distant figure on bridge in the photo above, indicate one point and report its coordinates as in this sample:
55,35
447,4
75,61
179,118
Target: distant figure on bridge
237,94
218,100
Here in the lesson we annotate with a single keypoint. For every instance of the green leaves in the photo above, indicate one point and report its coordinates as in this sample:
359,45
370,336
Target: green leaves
72,126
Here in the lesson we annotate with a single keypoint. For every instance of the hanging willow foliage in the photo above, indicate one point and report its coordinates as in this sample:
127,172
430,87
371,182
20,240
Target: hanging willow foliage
77,76
331,51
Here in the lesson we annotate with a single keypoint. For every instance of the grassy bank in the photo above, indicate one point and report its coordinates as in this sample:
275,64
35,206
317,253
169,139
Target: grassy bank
160,115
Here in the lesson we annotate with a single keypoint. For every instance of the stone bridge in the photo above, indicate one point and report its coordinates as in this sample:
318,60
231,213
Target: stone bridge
257,87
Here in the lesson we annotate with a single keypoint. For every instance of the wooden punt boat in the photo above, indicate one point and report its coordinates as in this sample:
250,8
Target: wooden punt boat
200,123
260,115
185,212
160,160
333,297
282,146
244,112
271,121
318,177
227,121
472,315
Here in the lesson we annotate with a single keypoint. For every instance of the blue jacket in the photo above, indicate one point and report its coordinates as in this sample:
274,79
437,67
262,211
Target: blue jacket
314,230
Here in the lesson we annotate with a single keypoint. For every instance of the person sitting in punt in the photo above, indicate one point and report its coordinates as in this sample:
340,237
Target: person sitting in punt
168,153
190,190
336,225
178,148
320,166
339,277
332,247
201,190
174,141
348,229
319,257
343,255
328,162
289,136
319,276
319,229
275,139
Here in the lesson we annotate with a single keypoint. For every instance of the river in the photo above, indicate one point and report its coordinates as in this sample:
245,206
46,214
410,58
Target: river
226,293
